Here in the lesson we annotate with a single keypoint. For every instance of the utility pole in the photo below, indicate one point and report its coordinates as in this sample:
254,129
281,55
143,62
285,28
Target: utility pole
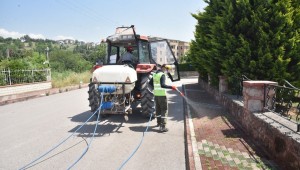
48,70
7,53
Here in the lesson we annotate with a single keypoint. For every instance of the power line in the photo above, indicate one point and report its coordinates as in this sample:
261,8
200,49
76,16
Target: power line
88,12
95,13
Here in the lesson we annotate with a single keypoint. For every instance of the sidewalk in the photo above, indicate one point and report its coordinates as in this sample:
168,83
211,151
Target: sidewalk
34,94
217,141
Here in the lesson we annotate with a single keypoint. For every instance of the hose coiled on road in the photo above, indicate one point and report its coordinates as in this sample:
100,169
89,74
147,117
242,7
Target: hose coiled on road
138,146
65,139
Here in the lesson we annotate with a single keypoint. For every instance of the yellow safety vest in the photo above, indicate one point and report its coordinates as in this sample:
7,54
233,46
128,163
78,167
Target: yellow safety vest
158,90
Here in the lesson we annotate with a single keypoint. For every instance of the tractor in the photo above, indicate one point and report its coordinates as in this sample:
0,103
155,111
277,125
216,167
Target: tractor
122,84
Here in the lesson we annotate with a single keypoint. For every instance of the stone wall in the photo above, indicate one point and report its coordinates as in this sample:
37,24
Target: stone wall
23,88
282,143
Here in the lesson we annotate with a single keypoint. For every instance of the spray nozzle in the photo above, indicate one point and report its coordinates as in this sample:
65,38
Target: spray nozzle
179,92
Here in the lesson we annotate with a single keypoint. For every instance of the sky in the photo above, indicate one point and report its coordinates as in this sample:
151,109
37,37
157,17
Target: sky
94,20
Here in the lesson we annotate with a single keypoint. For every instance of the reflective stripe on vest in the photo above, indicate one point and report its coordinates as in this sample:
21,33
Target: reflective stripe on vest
158,90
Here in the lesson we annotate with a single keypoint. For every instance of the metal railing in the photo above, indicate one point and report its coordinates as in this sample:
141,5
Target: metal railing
237,85
11,77
284,101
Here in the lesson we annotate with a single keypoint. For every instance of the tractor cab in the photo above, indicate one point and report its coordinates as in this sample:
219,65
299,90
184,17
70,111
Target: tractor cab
146,55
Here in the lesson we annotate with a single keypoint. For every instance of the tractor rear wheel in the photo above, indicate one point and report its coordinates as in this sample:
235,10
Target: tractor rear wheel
94,97
147,96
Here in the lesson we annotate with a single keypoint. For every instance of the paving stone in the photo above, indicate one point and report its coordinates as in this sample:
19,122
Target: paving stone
230,150
228,157
225,152
215,149
217,146
214,152
208,154
216,157
201,152
221,155
244,162
224,161
237,161
240,166
205,145
206,149
250,160
199,144
218,149
246,155
231,163
241,157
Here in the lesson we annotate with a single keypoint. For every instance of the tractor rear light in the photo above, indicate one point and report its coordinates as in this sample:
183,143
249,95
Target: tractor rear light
138,95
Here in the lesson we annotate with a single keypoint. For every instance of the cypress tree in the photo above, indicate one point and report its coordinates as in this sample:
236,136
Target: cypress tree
257,38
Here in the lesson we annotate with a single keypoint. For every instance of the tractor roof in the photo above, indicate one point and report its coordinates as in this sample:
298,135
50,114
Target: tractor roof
125,35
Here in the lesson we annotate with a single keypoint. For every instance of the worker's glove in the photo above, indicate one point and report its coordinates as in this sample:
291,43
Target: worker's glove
174,88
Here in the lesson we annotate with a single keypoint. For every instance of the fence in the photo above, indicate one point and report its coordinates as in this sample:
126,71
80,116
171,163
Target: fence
11,77
237,85
284,101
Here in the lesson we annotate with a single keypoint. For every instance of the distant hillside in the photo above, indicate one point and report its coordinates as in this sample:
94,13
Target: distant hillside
26,52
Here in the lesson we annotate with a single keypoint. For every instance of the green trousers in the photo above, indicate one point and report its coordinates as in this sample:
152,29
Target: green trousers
161,106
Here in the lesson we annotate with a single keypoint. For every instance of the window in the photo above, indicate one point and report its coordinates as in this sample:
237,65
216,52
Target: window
112,59
144,52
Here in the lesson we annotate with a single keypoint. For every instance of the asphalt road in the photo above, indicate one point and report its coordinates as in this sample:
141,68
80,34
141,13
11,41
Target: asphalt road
30,128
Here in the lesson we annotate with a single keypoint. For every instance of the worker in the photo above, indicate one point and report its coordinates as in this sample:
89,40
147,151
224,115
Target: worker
161,105
128,57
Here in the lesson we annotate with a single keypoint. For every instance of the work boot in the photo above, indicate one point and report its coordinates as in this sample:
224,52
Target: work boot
163,128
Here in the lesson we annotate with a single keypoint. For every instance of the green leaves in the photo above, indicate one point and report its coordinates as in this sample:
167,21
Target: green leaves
27,53
260,39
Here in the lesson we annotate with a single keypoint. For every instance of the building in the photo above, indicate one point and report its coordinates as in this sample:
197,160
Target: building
178,47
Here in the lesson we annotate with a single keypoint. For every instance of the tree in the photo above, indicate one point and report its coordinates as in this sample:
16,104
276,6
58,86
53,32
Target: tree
252,37
66,60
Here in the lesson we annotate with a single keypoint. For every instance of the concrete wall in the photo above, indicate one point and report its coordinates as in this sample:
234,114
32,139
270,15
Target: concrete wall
23,88
282,143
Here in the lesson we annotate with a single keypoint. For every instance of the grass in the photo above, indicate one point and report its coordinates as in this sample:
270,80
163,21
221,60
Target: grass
69,78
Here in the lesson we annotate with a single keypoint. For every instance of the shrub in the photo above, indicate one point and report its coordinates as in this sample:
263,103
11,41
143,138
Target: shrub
186,67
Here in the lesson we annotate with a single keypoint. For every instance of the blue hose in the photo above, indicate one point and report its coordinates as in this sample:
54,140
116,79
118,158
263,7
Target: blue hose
64,140
138,146
89,144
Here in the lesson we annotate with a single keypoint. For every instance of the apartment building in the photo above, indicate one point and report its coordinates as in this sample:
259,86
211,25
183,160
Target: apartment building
178,47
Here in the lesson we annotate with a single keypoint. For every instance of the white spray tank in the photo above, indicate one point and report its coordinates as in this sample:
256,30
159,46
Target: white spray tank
116,75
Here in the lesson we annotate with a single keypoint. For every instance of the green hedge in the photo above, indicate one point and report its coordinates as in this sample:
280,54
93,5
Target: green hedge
186,67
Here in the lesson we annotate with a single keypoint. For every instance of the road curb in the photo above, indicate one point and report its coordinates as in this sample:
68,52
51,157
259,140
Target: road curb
192,157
